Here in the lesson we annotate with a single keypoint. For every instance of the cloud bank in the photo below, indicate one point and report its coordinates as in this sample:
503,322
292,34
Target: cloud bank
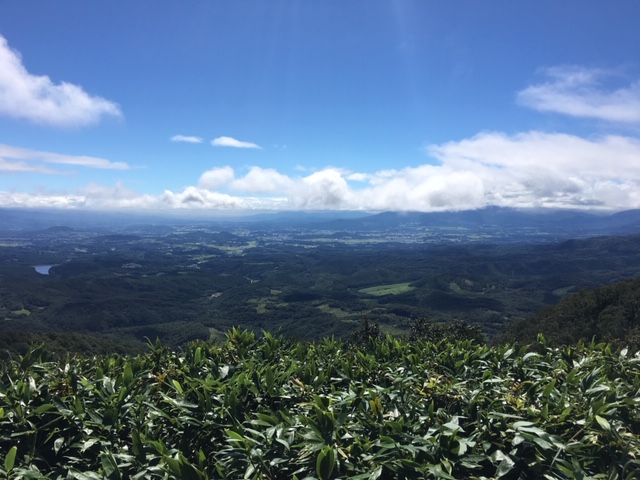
38,99
530,169
232,142
580,92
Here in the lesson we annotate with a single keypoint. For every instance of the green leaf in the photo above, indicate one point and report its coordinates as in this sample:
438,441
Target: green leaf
549,388
174,466
604,423
505,467
188,471
10,459
127,375
542,443
57,445
376,473
109,465
325,463
544,412
88,444
85,476
178,387
138,448
202,458
41,409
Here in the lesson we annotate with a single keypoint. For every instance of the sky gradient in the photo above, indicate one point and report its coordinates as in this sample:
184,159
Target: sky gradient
291,105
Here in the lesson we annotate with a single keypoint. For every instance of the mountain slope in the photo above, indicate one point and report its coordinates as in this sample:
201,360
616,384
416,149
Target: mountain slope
610,313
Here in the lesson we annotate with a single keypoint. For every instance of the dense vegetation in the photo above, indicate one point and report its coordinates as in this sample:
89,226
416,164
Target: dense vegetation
181,284
610,313
271,408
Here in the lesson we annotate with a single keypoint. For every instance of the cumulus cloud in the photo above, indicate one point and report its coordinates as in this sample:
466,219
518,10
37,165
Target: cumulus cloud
530,169
549,169
424,188
216,178
232,142
262,180
40,100
186,139
580,92
193,197
325,189
19,156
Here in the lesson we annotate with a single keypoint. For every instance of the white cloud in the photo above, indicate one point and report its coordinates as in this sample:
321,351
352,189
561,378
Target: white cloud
262,180
193,197
325,189
358,177
232,142
103,197
424,188
12,166
25,200
530,169
185,138
38,99
579,92
549,169
23,154
216,178
103,192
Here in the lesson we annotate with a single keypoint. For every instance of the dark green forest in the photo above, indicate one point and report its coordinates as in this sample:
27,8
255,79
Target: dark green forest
610,313
110,292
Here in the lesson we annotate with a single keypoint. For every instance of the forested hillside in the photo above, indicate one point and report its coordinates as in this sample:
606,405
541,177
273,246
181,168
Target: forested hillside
610,313
180,283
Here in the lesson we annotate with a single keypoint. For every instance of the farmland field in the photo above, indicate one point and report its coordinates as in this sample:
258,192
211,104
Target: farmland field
392,289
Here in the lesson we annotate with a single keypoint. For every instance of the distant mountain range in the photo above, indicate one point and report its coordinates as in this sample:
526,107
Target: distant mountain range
625,222
570,223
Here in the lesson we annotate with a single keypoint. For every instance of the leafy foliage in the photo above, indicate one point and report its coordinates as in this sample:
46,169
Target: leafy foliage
423,329
366,333
271,408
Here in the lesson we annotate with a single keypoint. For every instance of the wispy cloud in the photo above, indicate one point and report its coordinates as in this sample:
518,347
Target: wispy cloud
38,99
26,155
185,138
12,166
232,142
581,92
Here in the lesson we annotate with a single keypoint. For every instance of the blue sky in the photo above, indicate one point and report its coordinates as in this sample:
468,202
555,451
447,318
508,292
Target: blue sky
385,105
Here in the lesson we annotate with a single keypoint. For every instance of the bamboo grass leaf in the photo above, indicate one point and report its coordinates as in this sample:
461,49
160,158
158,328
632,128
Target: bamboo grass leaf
10,459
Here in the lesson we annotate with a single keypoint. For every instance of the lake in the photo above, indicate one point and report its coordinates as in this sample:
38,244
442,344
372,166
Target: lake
43,269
